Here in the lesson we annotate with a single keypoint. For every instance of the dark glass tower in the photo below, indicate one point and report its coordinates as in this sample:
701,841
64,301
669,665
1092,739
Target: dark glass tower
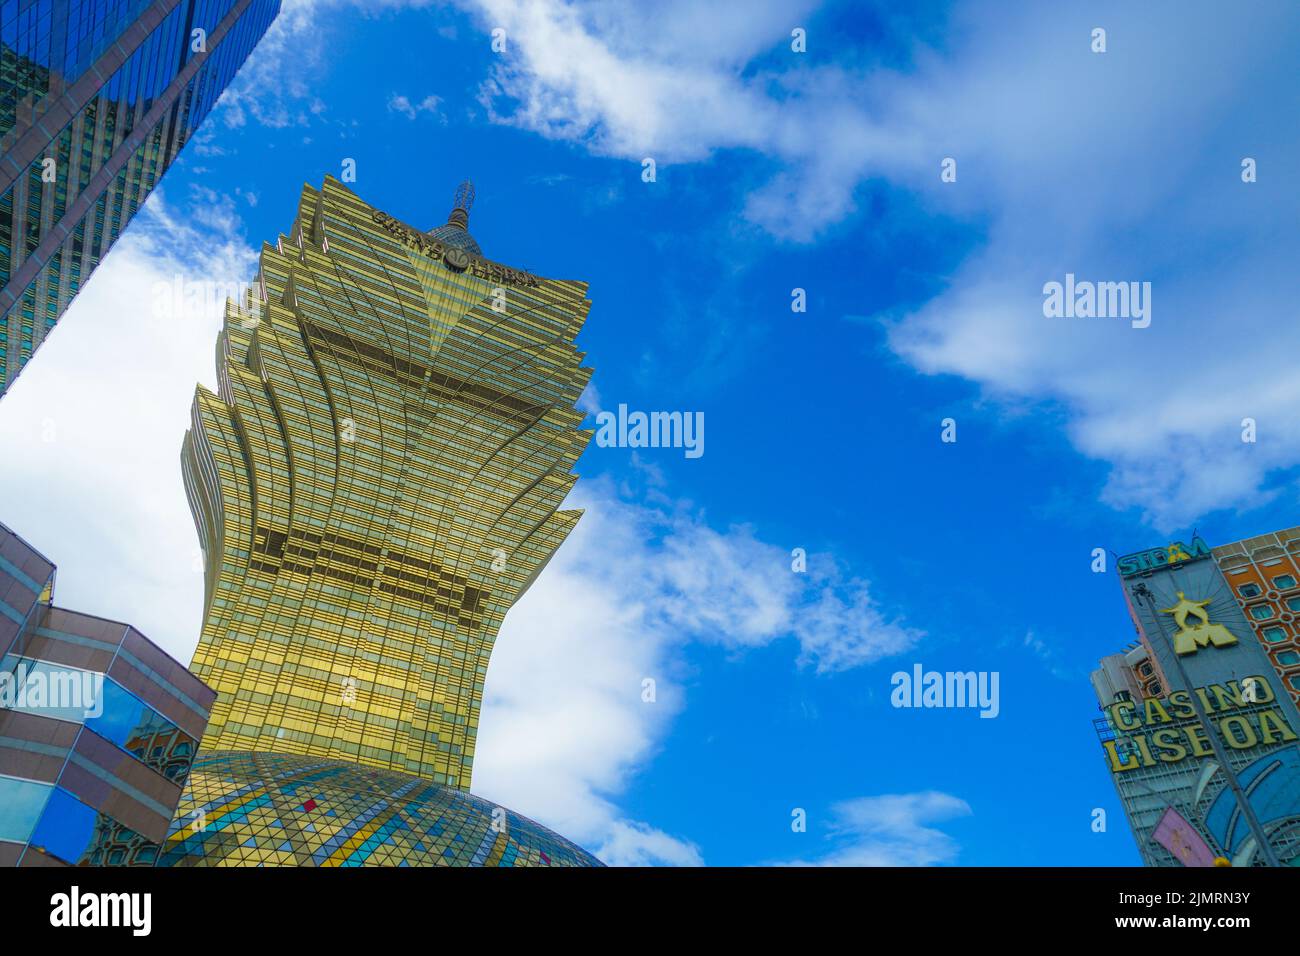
97,97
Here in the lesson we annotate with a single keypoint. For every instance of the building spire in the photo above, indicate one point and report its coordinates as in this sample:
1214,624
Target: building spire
455,232
464,201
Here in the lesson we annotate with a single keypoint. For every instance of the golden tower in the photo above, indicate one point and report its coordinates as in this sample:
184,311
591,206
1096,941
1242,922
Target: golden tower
376,482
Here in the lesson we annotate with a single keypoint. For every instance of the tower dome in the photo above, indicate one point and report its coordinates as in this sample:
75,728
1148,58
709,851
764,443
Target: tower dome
456,231
251,809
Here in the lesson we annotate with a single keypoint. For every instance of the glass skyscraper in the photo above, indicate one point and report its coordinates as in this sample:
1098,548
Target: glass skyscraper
97,97
376,482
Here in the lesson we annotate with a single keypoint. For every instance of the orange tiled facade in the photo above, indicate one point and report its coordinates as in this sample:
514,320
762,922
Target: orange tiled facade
1264,574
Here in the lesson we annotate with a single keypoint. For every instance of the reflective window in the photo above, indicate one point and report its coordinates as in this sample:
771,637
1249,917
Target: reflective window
1284,581
1249,590
1261,612
131,723
51,690
67,827
1288,657
78,834
21,802
1274,635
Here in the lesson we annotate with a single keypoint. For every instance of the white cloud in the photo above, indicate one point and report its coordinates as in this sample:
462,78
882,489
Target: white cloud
1117,166
274,86
1049,654
565,728
635,844
671,83
90,431
589,400
402,104
1125,166
892,830
675,82
843,627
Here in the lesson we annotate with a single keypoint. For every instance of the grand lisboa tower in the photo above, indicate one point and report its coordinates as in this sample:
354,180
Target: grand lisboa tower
377,479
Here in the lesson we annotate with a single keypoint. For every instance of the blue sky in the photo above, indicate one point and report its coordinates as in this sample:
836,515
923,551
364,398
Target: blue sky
775,171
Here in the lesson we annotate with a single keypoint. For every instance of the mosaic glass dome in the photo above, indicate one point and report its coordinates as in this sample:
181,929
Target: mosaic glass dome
260,809
450,235
456,231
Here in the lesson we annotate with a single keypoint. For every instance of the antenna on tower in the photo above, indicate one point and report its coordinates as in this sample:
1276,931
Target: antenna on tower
455,231
465,195
464,200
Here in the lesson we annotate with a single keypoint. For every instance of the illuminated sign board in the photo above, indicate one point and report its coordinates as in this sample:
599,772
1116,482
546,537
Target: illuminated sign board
1150,742
1156,558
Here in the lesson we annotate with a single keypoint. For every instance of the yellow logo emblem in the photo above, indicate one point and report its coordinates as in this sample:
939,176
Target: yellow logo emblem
1188,639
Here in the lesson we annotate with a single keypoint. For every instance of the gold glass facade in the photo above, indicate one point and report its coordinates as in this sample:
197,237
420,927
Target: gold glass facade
376,482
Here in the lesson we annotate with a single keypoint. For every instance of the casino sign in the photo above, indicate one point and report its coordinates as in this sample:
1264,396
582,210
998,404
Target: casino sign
1155,558
1165,729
